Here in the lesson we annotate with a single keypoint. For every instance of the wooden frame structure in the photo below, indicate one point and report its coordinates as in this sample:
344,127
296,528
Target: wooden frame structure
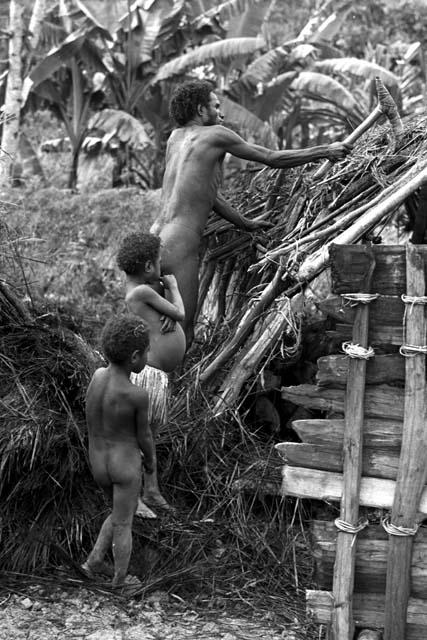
371,449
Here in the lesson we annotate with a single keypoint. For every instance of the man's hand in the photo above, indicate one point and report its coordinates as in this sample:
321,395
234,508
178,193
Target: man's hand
255,225
338,151
169,281
167,324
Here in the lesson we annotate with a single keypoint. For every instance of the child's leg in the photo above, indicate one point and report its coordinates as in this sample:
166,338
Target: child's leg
155,382
95,560
152,495
125,498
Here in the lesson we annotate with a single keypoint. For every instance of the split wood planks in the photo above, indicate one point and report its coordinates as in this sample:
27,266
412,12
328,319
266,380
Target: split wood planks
388,447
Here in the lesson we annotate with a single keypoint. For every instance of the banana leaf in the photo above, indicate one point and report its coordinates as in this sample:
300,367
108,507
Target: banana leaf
317,86
247,124
121,125
221,51
358,68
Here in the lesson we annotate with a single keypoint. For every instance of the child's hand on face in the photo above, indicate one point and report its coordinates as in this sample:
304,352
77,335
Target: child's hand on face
169,281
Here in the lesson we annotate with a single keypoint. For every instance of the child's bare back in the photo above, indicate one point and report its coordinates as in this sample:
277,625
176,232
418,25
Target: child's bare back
111,407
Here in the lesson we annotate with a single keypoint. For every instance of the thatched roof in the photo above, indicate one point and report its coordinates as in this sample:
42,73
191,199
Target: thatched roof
249,282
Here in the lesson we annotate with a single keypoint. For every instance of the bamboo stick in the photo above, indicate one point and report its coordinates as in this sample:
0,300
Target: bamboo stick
412,464
262,340
342,618
317,262
271,291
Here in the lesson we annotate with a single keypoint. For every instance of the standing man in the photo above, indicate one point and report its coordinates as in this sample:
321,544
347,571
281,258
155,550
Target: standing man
194,156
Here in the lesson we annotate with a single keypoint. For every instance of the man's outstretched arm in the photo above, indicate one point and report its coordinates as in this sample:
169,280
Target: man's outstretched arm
226,211
231,142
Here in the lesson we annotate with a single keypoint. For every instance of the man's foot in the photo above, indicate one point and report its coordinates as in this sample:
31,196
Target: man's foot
95,570
157,501
142,511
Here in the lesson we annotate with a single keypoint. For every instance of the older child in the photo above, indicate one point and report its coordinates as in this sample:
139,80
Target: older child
117,420
158,302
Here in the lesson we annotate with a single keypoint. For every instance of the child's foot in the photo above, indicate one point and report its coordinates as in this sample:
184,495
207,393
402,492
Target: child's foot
130,587
143,511
94,570
157,501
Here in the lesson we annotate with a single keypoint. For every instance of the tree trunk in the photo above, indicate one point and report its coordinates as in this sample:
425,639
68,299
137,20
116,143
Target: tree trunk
36,22
12,105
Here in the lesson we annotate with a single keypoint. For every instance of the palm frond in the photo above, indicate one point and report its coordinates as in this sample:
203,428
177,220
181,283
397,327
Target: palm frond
317,86
358,69
327,19
155,21
270,98
51,34
247,124
78,14
114,123
266,67
77,43
222,12
265,101
220,51
248,21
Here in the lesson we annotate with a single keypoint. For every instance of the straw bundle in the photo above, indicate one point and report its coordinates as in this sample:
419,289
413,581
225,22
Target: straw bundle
249,281
46,494
223,545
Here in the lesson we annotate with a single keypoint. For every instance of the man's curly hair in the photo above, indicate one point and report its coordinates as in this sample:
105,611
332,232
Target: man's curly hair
134,251
186,98
122,335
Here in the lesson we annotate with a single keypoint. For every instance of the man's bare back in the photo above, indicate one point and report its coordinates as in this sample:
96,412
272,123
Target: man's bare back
194,157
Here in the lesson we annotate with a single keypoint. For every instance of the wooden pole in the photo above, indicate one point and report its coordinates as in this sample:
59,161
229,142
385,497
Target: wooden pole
411,475
317,261
344,568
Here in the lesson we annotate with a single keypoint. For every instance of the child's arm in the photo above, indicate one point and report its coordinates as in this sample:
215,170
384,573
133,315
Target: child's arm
172,308
174,296
144,435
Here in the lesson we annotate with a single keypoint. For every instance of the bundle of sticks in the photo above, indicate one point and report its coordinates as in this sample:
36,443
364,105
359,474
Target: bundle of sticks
251,284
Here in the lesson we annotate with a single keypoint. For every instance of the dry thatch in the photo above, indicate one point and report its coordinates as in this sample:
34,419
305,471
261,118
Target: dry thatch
250,284
222,546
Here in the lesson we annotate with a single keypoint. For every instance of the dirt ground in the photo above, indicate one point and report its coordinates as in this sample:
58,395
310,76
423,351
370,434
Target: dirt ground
39,613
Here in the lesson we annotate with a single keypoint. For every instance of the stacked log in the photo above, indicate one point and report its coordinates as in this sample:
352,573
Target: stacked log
369,576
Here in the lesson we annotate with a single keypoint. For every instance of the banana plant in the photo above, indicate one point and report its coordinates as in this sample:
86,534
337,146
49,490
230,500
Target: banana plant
63,79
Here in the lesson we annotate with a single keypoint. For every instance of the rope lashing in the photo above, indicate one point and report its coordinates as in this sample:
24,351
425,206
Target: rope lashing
394,530
352,299
412,350
413,299
356,351
347,527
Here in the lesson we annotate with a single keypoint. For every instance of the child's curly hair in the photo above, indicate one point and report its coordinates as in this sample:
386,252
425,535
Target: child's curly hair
186,98
135,249
122,335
